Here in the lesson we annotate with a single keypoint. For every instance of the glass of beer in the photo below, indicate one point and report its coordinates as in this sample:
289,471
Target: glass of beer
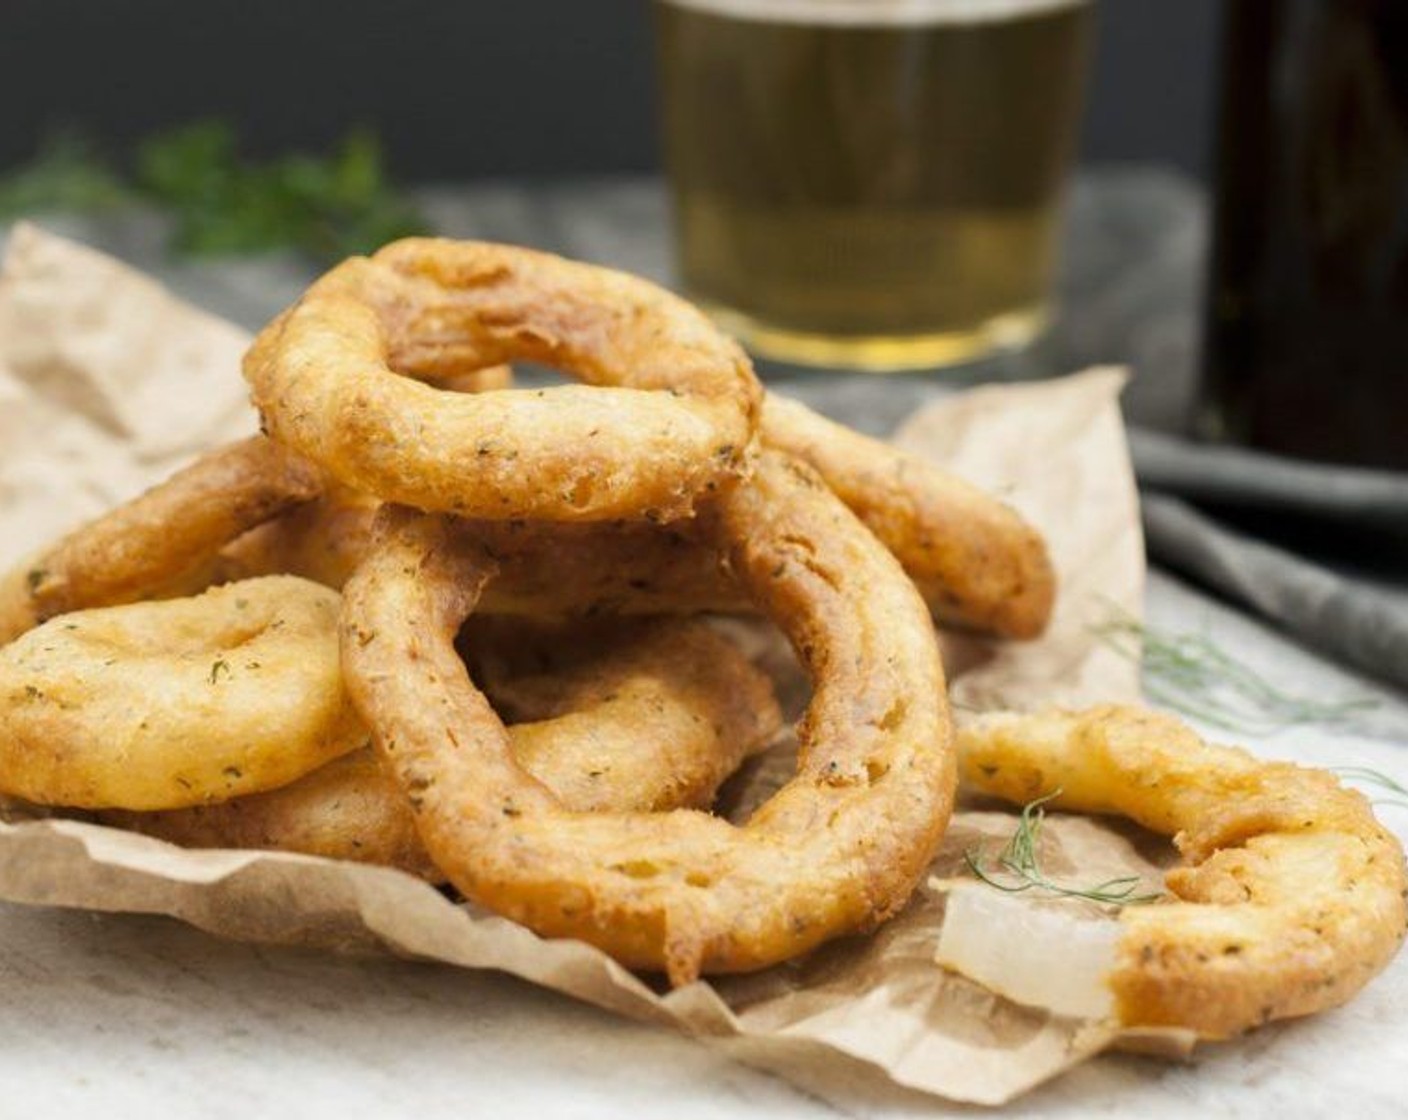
871,184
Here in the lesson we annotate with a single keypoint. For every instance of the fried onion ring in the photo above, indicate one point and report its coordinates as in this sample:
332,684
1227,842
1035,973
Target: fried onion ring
836,850
173,703
1291,896
157,540
977,563
656,717
547,569
667,414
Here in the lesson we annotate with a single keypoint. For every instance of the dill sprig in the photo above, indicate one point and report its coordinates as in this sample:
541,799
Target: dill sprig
1189,674
1021,862
1363,775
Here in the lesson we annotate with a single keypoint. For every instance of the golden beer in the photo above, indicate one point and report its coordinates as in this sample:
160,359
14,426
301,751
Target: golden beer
871,183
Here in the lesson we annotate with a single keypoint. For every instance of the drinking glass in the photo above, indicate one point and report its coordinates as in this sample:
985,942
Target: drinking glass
872,184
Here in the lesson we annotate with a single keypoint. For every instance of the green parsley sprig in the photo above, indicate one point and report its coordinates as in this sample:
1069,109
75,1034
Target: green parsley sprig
222,202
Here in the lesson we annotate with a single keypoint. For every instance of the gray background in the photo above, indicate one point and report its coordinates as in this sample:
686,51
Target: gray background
460,88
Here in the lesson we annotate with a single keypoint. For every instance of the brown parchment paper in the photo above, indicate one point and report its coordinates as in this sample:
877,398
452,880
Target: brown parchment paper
107,383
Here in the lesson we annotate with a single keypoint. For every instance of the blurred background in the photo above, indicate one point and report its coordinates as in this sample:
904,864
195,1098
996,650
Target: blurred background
1236,233
471,90
506,107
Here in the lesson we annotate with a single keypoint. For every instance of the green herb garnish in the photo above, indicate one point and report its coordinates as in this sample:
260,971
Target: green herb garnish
1363,775
330,207
68,174
1189,674
221,666
1020,863
326,206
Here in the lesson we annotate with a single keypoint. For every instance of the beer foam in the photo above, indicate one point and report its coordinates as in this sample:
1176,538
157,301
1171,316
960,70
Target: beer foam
872,13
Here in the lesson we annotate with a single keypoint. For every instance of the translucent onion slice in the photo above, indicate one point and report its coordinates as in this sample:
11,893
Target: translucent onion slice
1043,953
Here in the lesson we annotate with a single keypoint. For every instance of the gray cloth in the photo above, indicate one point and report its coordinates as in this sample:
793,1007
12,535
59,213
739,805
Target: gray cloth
1321,551
1233,477
1361,621
1129,291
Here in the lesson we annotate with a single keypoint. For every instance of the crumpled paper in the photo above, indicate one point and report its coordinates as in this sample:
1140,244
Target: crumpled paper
108,383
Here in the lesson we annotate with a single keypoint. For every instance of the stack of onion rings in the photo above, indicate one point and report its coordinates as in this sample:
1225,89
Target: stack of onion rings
399,463
836,850
652,717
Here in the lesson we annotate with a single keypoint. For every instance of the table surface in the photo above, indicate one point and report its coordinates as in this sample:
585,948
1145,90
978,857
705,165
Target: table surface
128,1015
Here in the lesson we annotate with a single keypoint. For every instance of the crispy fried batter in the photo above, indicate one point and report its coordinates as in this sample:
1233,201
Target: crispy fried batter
667,415
156,541
1291,897
16,606
174,703
606,568
323,541
651,716
838,849
478,380
348,809
977,563
661,710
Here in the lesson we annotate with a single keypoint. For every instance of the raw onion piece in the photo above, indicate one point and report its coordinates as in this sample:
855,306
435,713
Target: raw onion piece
1050,954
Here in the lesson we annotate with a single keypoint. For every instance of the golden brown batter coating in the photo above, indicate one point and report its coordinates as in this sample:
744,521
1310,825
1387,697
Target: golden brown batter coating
174,703
667,413
649,717
977,563
838,849
349,809
160,540
1291,896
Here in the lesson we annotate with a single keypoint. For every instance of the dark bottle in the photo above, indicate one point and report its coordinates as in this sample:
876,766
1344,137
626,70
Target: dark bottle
1307,333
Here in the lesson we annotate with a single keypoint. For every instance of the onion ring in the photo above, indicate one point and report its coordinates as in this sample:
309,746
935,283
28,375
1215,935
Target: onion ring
160,539
16,610
977,563
667,415
838,849
604,568
1291,896
168,704
656,718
